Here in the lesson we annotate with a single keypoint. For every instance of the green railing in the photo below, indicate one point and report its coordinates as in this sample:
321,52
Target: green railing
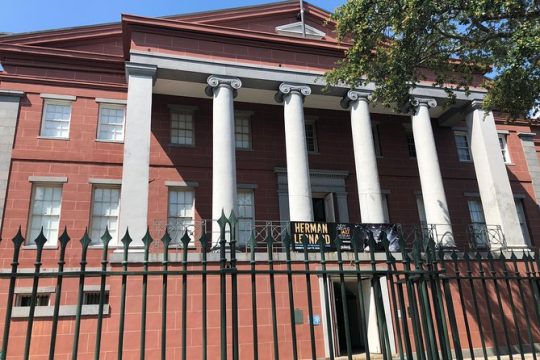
423,302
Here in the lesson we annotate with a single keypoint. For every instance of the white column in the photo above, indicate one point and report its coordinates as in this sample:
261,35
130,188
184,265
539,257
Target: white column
365,159
492,176
135,171
223,91
298,181
430,173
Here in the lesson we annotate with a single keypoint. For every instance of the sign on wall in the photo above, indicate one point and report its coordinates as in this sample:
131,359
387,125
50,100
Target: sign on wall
344,232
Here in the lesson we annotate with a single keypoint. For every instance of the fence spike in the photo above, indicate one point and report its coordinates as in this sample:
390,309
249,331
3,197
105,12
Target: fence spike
454,255
233,219
64,238
269,238
502,258
106,237
222,221
40,239
18,239
85,240
166,239
126,240
185,239
147,239
513,255
304,241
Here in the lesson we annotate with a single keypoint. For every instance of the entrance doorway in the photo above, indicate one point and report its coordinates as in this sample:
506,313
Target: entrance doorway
359,330
323,207
356,327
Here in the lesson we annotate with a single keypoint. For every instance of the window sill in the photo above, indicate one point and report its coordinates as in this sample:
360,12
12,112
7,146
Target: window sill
244,149
65,311
52,138
466,161
46,247
509,164
181,145
314,153
110,141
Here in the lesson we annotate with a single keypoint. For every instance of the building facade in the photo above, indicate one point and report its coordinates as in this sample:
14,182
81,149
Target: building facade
155,123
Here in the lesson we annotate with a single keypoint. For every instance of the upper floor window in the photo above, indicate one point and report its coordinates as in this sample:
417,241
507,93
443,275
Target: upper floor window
105,211
242,126
462,145
376,139
421,210
56,119
311,136
111,122
45,212
182,125
410,143
504,148
523,221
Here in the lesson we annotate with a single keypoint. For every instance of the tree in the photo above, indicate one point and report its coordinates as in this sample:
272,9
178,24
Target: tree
394,43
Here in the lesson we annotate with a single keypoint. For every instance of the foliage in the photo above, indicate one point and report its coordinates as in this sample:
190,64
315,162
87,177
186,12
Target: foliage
395,43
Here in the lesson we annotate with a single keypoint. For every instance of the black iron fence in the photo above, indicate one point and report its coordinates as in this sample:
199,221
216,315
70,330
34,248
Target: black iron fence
300,302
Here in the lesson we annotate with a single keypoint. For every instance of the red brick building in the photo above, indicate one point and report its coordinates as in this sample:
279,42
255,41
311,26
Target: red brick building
165,122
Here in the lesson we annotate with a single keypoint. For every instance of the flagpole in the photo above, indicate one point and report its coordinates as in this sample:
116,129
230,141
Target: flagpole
302,18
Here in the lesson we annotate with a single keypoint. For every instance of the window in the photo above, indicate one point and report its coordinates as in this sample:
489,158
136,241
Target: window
504,148
182,126
386,213
26,300
478,222
181,213
410,143
111,122
311,137
421,210
376,140
56,119
523,221
105,210
246,215
92,297
462,145
45,213
242,127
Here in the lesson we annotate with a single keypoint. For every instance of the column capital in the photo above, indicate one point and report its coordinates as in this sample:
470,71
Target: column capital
427,102
476,104
135,69
215,81
289,88
352,96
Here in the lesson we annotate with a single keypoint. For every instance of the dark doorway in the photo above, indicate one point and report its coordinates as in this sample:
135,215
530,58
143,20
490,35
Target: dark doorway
319,213
355,325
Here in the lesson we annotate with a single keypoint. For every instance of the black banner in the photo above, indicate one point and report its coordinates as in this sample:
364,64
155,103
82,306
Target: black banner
343,232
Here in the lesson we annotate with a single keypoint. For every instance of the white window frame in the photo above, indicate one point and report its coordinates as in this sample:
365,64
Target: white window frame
100,124
313,124
190,223
59,102
182,110
115,237
51,240
243,116
243,218
459,133
503,144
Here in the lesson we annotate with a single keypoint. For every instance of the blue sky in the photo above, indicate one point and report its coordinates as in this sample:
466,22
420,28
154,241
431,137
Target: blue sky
33,15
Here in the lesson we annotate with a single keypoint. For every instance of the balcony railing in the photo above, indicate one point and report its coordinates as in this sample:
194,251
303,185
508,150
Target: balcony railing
479,237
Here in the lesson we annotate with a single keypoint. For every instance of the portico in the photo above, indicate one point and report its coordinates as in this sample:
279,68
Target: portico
296,90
